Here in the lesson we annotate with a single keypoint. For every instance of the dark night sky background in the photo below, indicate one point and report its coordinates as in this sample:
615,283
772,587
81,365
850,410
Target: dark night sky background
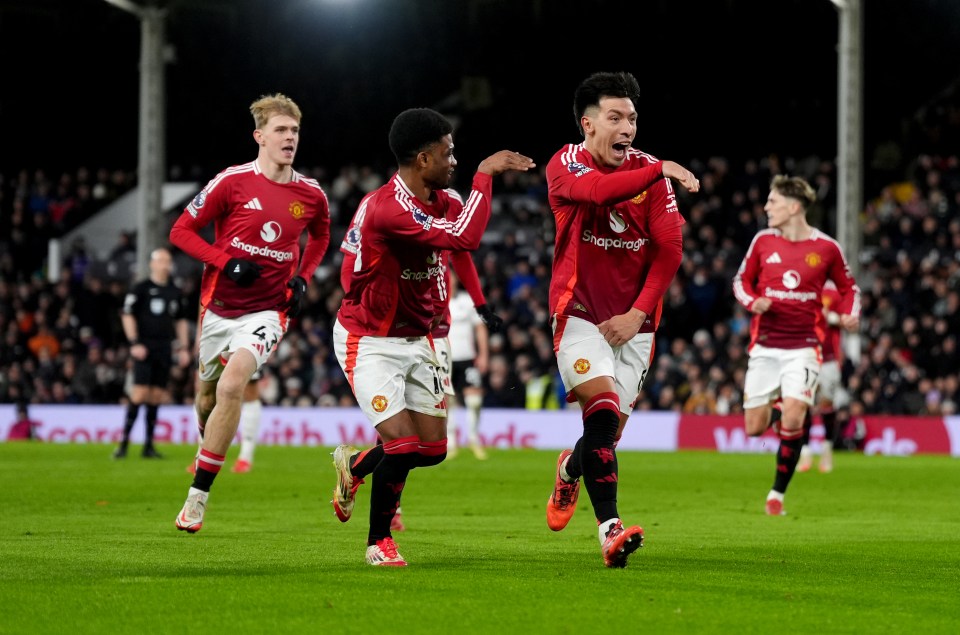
721,77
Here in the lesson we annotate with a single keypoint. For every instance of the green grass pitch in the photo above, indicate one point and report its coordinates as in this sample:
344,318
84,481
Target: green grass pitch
88,545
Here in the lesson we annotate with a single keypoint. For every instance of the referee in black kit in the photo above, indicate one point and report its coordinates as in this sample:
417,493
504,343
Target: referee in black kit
154,314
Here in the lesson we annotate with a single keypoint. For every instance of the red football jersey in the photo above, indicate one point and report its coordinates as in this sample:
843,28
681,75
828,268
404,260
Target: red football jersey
396,285
460,261
259,220
618,242
793,274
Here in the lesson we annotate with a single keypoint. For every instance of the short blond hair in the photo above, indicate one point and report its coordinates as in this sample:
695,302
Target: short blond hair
275,104
796,188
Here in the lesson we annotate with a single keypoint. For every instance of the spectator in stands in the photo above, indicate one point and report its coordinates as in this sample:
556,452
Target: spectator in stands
24,428
43,340
733,211
122,261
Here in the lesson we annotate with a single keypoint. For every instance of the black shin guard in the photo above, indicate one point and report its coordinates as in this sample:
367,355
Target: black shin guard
787,457
429,460
366,462
389,477
807,425
829,427
775,415
574,463
599,462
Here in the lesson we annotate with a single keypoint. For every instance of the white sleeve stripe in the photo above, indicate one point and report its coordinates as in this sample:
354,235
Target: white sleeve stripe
240,169
648,157
465,217
462,221
467,214
738,291
452,193
570,155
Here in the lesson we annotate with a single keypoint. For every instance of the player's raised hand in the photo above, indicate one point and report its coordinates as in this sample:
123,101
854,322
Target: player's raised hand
505,160
685,177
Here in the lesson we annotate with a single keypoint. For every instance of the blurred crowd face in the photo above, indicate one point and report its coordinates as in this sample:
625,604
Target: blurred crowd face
161,265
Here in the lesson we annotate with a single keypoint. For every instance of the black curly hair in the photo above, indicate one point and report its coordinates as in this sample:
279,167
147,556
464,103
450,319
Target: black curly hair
414,130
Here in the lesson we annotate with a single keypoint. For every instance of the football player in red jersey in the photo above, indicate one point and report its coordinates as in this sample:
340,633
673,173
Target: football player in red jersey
459,262
830,392
382,336
618,247
254,279
781,281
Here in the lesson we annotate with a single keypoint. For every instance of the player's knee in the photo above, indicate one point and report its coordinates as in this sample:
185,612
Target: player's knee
205,402
229,389
792,422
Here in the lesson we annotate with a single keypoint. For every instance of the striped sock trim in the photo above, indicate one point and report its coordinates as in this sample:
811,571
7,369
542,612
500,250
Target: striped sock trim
788,435
403,445
210,462
602,401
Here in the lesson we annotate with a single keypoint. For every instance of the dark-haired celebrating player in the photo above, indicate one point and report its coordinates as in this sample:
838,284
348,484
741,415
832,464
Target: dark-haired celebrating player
390,306
618,247
254,280
781,281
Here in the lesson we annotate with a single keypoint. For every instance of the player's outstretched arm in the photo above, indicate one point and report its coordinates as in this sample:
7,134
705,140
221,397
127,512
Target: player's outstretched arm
504,161
682,175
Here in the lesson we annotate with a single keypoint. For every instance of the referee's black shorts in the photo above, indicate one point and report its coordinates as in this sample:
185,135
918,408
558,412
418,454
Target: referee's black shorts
155,369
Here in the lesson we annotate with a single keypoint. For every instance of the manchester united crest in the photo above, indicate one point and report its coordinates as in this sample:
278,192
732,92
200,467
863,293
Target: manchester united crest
581,366
813,259
297,209
379,403
636,200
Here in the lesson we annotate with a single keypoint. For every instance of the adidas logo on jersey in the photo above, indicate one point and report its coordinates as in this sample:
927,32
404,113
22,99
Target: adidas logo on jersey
774,259
237,269
253,204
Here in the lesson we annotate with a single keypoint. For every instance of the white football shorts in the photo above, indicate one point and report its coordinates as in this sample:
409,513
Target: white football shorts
390,374
787,372
221,337
445,368
583,354
829,387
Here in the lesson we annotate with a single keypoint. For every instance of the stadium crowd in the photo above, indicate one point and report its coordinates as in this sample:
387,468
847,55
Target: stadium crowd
62,340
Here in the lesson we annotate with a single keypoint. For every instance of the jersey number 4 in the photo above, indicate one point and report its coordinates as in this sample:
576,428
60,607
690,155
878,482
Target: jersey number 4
262,336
